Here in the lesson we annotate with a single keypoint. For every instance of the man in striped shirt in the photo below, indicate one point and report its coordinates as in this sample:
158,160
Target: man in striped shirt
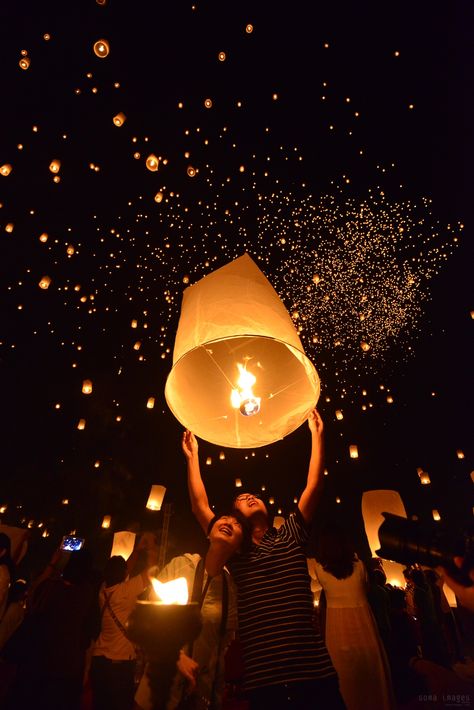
286,662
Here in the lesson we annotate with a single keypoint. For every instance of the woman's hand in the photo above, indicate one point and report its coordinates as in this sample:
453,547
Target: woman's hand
188,669
189,444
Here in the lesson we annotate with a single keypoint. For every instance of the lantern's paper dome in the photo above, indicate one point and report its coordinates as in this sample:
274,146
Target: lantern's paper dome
240,377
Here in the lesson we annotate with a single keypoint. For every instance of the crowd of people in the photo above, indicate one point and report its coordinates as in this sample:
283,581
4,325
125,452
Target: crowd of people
64,643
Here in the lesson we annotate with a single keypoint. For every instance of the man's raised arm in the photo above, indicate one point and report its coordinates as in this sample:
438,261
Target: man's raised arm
197,492
311,494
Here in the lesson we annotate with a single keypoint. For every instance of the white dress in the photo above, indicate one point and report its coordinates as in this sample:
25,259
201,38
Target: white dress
354,643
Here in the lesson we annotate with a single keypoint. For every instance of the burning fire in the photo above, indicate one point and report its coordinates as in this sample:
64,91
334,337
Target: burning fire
173,592
242,397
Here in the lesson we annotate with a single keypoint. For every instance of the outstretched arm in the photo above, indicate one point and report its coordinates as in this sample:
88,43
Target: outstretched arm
197,492
311,494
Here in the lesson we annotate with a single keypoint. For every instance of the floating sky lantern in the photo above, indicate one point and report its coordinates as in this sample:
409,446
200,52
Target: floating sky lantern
43,238
436,515
9,227
423,476
238,483
374,503
5,169
119,119
460,454
339,414
134,323
240,377
150,402
353,451
55,166
106,520
87,387
24,63
158,197
123,544
155,499
45,282
81,424
101,48
152,163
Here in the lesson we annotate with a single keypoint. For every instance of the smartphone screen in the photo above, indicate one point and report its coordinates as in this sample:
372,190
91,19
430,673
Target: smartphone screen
71,543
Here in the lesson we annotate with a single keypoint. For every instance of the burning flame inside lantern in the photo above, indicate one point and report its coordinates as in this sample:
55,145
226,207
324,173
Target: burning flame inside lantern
173,592
242,397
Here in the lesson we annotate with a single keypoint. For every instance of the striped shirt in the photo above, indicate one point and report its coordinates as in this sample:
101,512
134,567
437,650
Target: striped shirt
275,606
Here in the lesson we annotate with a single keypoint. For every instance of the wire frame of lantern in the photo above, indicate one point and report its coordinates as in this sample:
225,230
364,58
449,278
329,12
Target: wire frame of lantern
374,503
156,496
240,377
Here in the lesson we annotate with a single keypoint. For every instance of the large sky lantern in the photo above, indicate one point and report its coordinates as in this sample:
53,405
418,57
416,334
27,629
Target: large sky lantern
374,503
240,377
155,499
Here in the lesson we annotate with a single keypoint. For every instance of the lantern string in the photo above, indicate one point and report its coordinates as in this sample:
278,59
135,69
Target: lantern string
231,384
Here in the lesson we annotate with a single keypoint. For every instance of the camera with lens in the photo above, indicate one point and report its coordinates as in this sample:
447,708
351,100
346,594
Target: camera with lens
411,542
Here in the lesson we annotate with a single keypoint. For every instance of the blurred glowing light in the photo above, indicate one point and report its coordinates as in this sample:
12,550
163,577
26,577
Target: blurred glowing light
101,48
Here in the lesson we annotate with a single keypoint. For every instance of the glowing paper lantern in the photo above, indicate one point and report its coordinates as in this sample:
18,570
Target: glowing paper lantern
119,119
150,402
106,521
152,163
374,503
238,483
353,451
81,424
436,515
55,166
123,544
24,63
339,414
5,169
101,48
87,387
155,499
240,377
45,282
158,197
9,227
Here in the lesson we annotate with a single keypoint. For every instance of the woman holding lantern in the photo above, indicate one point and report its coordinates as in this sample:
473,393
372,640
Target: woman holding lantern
200,677
286,662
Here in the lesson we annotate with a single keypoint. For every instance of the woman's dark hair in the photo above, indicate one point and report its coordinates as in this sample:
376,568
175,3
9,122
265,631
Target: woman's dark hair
115,571
242,520
335,551
78,568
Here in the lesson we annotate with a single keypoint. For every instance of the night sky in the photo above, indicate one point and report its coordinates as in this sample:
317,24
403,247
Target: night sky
333,142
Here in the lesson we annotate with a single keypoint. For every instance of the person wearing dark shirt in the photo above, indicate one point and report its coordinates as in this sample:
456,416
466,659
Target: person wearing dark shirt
286,662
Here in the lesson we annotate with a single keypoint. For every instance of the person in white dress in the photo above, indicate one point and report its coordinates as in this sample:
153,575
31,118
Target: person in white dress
352,638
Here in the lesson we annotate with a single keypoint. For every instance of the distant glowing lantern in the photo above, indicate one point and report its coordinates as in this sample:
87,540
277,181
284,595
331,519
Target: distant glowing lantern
353,451
119,119
240,377
238,483
137,345
191,171
123,544
278,521
221,456
70,250
150,402
43,237
460,454
65,501
81,424
45,282
221,56
9,227
3,509
134,323
208,103
101,48
87,387
5,169
374,503
339,414
249,29
423,476
173,592
436,515
155,499
24,63
158,197
55,166
271,501
106,521
152,163
209,461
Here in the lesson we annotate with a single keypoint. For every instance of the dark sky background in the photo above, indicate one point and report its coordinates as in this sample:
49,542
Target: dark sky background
339,142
